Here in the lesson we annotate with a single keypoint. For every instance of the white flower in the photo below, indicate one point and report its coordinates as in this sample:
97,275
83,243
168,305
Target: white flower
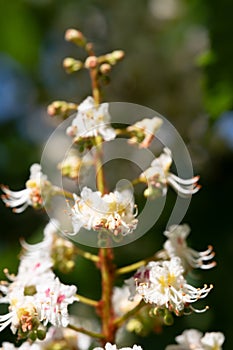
91,121
144,131
212,341
38,191
162,283
22,313
192,339
189,340
35,294
109,346
48,303
113,212
159,177
122,302
52,302
53,250
44,247
36,263
176,246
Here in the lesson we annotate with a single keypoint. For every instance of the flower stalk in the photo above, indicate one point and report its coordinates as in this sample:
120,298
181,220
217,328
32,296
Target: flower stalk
85,331
105,307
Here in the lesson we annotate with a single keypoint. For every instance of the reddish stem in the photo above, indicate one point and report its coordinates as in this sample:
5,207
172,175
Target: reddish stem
105,308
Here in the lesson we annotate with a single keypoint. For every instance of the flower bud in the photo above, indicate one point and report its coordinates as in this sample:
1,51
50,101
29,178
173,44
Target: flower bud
41,333
75,36
153,192
71,65
61,108
33,336
118,55
30,290
91,62
105,68
168,319
115,56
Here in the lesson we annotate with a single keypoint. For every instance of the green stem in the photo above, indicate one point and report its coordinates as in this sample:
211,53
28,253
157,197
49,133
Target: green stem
87,255
120,320
132,267
135,266
100,182
121,132
87,301
85,331
60,192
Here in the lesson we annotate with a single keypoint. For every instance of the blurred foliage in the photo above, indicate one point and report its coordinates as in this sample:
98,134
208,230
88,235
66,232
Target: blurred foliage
178,62
216,61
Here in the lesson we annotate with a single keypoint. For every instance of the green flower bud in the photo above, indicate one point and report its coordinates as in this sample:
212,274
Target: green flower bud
33,335
71,65
41,334
168,319
30,290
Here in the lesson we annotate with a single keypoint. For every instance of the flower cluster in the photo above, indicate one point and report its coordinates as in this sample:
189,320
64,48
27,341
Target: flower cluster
192,339
113,212
35,295
162,284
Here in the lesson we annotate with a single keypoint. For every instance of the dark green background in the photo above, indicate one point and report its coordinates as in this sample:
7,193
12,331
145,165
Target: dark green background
180,66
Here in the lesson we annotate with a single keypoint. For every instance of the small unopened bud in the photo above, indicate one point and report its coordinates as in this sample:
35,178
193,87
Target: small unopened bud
118,55
168,319
75,36
30,290
41,334
71,65
105,68
91,62
152,192
115,56
61,108
33,336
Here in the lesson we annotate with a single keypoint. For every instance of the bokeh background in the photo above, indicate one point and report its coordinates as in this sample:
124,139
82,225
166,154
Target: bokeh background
178,62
